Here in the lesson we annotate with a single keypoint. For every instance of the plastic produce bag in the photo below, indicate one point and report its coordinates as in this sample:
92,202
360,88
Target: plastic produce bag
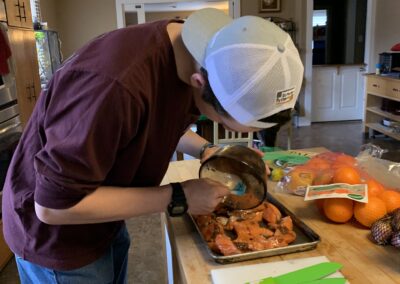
385,171
333,167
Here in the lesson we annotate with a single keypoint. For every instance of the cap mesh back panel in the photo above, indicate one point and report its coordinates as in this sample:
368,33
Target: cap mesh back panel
296,73
241,66
257,104
292,48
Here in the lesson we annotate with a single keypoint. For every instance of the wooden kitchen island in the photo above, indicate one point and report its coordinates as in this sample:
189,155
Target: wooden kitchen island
349,244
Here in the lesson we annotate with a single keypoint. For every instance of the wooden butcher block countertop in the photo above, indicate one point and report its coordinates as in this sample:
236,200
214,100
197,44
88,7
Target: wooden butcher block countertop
349,244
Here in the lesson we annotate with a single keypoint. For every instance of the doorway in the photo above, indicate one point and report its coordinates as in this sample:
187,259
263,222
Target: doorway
339,31
338,60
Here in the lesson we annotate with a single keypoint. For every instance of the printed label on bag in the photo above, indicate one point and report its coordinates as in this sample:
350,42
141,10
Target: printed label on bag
356,192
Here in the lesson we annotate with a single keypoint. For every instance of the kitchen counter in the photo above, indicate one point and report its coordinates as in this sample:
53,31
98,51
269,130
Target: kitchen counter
349,244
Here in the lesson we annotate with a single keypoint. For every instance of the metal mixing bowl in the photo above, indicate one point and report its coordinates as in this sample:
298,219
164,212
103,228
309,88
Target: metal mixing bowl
243,171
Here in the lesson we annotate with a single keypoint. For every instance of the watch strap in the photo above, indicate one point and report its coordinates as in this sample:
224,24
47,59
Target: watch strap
178,200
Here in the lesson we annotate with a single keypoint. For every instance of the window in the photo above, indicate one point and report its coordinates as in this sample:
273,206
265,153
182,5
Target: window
35,9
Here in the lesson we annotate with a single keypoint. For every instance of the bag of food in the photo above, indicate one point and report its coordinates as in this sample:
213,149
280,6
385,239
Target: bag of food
333,167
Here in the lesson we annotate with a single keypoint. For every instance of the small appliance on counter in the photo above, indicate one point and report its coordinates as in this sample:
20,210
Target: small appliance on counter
389,62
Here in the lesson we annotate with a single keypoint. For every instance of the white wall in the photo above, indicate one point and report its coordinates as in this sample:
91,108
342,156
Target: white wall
78,21
48,12
387,26
252,7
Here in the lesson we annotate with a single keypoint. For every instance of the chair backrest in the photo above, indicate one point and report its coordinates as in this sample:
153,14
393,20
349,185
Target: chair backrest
225,137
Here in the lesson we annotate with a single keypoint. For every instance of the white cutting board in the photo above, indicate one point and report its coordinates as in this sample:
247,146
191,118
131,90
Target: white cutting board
254,272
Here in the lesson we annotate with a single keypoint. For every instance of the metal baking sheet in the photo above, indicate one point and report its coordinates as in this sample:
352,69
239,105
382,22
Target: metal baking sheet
306,239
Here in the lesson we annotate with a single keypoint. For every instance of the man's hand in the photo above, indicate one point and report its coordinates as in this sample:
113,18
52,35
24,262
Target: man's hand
209,152
203,195
261,153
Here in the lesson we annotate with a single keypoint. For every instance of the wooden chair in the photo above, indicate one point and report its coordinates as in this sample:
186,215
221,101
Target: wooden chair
222,136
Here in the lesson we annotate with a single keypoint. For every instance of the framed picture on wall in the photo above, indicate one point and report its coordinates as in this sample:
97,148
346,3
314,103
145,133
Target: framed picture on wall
270,5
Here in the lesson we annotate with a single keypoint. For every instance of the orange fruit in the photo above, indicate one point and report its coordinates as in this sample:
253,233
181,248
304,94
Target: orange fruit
346,174
339,210
323,177
338,165
345,160
374,187
368,213
393,189
327,156
391,199
318,163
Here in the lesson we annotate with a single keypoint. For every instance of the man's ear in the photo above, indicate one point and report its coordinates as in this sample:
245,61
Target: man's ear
197,80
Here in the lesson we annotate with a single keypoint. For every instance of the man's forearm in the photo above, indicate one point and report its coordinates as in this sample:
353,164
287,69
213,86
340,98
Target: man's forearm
108,204
191,143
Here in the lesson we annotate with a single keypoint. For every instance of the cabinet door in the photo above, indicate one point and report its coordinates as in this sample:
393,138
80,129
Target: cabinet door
32,61
337,93
13,13
26,14
21,46
3,15
19,13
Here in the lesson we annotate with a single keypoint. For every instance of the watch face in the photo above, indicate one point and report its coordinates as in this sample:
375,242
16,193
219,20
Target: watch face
175,209
178,209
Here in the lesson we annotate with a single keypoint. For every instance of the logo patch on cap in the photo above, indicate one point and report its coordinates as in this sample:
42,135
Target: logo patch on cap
284,96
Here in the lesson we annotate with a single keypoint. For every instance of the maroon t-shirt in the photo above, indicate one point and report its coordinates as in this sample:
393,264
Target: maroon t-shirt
112,115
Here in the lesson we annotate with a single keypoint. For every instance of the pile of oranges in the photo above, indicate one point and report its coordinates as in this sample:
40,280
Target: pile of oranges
341,210
332,167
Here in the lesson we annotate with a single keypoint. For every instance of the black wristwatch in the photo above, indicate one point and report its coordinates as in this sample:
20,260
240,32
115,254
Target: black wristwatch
178,205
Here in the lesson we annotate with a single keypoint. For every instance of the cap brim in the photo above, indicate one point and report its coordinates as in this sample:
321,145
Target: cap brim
199,28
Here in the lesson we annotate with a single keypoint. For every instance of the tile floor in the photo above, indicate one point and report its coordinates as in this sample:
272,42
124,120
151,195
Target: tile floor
146,263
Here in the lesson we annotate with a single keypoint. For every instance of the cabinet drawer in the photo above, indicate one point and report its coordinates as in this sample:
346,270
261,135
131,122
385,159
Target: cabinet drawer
393,89
376,86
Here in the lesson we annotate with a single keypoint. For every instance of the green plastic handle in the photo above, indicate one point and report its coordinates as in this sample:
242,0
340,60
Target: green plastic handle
328,281
268,280
305,275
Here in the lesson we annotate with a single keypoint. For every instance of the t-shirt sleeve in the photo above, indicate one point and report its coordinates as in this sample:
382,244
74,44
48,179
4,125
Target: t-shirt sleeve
88,119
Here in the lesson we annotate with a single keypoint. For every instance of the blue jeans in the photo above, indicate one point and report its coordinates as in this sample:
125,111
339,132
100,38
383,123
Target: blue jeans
110,268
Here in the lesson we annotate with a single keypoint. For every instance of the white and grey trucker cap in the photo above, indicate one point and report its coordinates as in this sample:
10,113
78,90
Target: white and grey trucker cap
254,69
